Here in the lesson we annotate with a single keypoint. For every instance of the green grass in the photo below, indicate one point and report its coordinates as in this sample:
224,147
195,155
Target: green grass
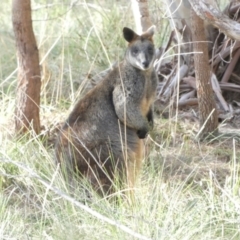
186,190
181,194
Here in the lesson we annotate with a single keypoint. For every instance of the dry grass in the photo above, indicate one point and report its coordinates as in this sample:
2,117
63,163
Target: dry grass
187,190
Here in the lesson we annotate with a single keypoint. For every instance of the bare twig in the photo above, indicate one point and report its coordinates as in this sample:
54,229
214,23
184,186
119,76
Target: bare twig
217,90
178,77
231,66
188,102
224,53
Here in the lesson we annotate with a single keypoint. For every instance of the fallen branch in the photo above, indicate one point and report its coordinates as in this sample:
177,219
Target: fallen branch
209,11
224,53
188,102
177,78
218,92
231,66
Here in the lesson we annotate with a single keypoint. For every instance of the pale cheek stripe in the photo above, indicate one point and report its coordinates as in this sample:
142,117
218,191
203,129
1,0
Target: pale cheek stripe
137,64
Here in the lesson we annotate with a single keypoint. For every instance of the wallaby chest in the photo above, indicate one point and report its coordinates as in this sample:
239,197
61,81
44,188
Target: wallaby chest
148,96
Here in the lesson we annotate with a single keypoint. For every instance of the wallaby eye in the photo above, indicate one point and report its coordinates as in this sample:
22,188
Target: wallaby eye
135,50
150,49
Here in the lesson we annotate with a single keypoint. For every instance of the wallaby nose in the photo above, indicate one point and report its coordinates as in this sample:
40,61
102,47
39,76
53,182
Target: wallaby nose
145,64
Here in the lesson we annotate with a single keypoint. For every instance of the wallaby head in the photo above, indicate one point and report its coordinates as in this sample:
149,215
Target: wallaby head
140,52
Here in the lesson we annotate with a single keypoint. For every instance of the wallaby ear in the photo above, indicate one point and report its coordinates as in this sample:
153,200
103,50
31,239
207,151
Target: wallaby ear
150,31
129,34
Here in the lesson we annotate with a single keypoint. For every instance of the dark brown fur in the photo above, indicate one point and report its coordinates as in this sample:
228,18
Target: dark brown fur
102,138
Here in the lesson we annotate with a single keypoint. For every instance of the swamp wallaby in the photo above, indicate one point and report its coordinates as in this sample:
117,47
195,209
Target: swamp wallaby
103,136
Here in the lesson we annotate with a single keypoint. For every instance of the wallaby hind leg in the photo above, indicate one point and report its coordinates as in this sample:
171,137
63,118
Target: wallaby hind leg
134,165
100,179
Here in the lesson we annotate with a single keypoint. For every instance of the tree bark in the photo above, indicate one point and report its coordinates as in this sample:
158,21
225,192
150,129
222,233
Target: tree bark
208,117
141,15
29,79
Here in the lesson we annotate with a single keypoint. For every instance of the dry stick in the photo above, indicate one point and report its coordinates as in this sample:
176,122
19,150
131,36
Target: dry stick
234,9
179,75
235,77
76,203
188,102
217,90
231,67
191,81
190,84
187,99
220,56
167,83
187,95
230,87
204,124
186,86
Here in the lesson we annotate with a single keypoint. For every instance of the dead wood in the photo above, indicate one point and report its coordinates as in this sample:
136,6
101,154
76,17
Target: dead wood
218,92
188,102
225,52
224,62
171,88
209,11
231,66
